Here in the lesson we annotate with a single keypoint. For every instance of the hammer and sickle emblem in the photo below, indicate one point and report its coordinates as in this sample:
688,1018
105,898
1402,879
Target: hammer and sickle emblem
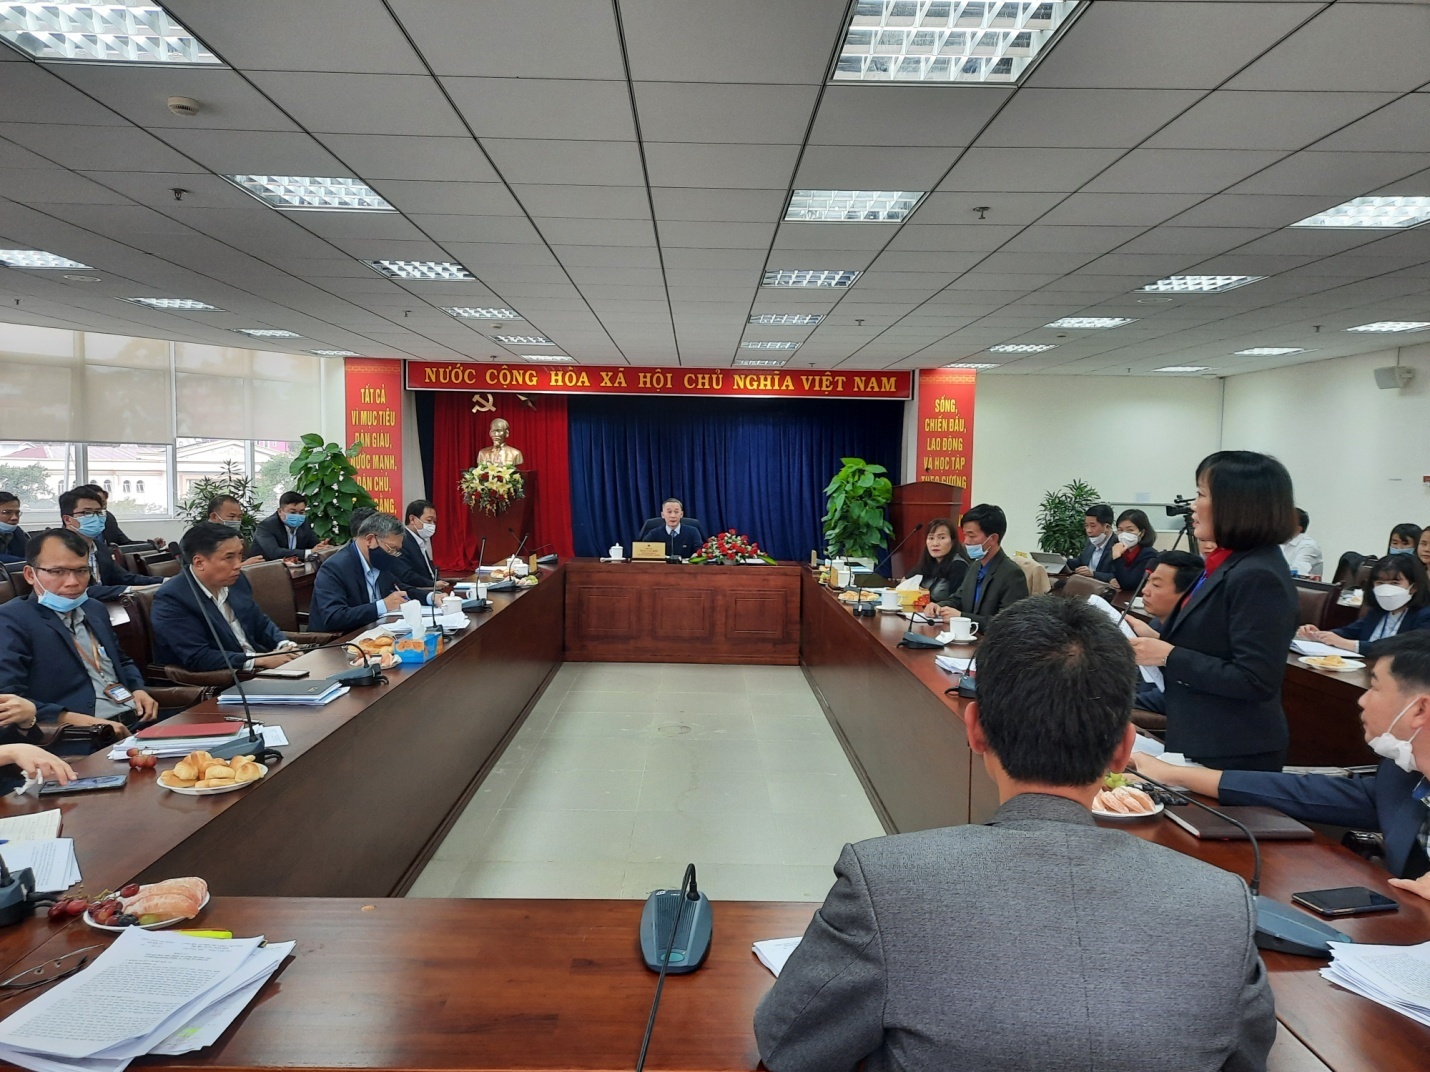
486,403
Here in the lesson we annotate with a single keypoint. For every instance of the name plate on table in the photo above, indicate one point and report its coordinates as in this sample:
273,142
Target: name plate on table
648,549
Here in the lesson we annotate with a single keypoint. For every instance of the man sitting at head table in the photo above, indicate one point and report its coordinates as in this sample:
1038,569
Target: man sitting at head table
1395,714
83,513
353,588
218,590
994,580
680,536
921,955
286,533
57,649
227,511
12,536
1096,554
1166,586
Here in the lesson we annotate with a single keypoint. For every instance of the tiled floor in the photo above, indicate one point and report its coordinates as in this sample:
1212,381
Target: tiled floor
624,773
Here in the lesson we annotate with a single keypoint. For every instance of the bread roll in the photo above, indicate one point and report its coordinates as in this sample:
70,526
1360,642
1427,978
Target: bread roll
185,771
173,781
218,772
247,772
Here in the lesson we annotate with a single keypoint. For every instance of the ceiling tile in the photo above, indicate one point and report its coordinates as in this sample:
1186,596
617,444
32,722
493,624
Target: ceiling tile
1348,48
468,229
40,96
1265,120
1027,169
1402,124
1139,209
704,205
374,156
741,167
544,108
589,232
571,163
454,198
1175,171
738,114
355,35
226,100
102,148
391,104
1079,118
255,152
1339,176
1251,210
576,37
585,202
942,116
984,208
866,167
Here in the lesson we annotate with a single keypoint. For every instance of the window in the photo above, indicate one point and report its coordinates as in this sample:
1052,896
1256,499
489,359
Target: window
264,461
127,488
37,473
141,473
139,486
108,486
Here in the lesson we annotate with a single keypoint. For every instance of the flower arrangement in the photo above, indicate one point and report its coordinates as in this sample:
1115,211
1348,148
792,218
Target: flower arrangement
729,546
491,487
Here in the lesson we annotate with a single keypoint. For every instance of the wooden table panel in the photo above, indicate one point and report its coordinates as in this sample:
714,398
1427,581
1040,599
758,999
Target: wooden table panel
1324,717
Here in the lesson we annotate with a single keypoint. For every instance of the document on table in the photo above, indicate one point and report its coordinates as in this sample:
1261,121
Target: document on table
1396,976
37,826
1314,647
773,953
1151,674
953,664
177,747
52,860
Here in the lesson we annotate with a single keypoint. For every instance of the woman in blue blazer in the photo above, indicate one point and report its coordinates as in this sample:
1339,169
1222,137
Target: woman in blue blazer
1224,648
1132,557
1398,601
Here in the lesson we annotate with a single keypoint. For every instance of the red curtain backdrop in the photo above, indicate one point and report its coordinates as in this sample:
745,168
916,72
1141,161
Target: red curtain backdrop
539,433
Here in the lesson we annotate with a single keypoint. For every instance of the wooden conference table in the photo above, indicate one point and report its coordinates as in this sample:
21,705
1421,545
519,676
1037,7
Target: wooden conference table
370,784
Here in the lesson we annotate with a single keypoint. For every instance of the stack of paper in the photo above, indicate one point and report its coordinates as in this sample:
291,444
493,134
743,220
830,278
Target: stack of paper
1396,976
175,747
178,994
1313,647
1150,674
37,826
774,952
52,860
287,693
953,664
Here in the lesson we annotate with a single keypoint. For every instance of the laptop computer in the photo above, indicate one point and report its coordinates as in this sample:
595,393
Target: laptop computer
1052,563
1267,824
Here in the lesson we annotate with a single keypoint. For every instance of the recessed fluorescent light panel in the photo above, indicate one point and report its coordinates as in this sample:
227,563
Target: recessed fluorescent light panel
1387,326
790,320
1373,212
467,313
35,258
1271,351
958,41
1022,348
853,206
980,366
1184,368
761,362
1092,322
809,277
524,340
334,353
293,193
550,359
188,304
421,270
1199,284
102,33
770,345
268,333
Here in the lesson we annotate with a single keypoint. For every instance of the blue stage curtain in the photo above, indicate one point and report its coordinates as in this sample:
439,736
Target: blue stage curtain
755,465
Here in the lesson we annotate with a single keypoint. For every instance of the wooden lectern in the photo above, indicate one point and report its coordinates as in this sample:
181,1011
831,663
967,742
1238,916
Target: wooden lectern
504,531
919,503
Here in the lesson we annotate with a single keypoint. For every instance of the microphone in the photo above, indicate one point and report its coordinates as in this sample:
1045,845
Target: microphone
362,675
229,749
687,948
1279,927
889,558
517,553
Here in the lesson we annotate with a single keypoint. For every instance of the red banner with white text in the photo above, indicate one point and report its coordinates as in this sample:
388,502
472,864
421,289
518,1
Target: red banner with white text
373,402
945,428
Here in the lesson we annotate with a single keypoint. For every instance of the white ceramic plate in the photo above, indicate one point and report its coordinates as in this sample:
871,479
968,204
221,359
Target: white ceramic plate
211,791
1156,810
1351,664
145,926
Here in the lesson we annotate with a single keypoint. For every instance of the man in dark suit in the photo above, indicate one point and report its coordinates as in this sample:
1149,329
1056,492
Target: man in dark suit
351,591
1395,710
1166,587
286,533
414,568
921,955
227,511
81,511
681,538
994,580
218,590
1096,554
57,648
12,536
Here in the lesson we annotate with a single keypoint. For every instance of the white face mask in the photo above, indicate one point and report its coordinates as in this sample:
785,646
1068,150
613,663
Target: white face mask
1128,539
1391,747
1098,541
428,530
1391,597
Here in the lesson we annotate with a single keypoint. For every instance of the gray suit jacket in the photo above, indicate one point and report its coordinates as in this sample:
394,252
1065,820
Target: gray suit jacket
1039,941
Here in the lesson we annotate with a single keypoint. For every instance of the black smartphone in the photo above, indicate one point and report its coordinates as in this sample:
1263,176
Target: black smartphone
1345,901
81,785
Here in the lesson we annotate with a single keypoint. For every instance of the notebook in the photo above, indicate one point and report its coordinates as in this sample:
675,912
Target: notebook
191,729
1267,824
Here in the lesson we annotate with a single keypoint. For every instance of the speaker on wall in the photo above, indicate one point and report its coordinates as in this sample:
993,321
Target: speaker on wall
1394,377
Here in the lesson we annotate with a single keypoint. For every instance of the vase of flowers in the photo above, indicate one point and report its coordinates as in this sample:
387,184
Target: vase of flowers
491,487
729,548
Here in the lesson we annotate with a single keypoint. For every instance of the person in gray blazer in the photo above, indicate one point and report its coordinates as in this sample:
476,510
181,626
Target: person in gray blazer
1038,940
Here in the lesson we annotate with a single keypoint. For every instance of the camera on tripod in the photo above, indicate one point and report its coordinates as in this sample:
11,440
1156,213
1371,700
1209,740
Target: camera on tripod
1180,507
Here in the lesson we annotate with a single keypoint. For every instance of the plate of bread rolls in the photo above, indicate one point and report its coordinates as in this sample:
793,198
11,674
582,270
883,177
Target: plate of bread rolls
200,775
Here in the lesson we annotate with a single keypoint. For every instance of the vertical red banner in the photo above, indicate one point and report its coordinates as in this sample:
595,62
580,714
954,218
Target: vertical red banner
945,429
373,397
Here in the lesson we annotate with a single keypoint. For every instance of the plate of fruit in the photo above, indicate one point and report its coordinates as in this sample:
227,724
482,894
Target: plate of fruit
151,907
1123,798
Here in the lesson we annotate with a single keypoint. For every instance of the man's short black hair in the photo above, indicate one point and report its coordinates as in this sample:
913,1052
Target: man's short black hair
1099,512
8,497
288,498
100,495
991,519
216,503
70,499
416,508
72,541
1409,653
359,515
204,539
1055,685
1188,567
1303,519
1252,501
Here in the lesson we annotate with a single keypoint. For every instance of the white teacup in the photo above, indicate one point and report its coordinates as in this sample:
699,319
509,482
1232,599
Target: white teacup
963,629
889,600
481,590
615,553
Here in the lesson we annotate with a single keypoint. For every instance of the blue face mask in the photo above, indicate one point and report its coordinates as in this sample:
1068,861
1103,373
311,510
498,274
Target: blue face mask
975,551
294,521
92,526
1400,550
59,604
6,528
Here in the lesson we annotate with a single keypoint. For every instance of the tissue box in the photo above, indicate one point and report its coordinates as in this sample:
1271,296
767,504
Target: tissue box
408,652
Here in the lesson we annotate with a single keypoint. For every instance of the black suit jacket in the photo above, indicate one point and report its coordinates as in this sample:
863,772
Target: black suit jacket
411,568
685,543
113,578
1127,573
1097,559
1004,583
270,539
114,535
341,601
12,547
182,639
1223,677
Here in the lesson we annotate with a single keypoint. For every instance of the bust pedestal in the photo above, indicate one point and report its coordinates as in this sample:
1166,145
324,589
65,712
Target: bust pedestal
503,532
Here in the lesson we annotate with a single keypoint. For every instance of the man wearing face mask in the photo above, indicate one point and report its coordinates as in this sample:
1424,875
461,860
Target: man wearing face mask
1394,711
82,512
1399,603
286,533
354,587
1095,555
58,653
227,511
12,536
414,568
993,580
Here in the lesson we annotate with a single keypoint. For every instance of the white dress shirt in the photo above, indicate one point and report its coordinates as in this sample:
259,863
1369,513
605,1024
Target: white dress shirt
1303,556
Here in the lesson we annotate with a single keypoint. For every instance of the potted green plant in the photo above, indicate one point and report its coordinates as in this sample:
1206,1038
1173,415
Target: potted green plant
230,481
854,522
1060,518
324,474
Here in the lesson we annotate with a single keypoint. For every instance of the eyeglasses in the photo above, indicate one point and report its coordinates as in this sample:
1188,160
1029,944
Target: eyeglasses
61,572
49,972
87,513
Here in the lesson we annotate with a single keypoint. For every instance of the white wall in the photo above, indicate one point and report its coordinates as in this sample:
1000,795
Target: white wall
1135,439
1356,453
